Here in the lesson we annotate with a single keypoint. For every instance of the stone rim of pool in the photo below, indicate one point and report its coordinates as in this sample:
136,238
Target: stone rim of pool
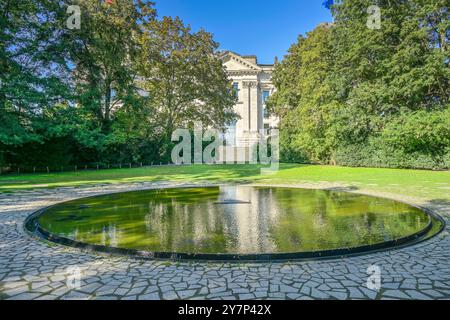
435,226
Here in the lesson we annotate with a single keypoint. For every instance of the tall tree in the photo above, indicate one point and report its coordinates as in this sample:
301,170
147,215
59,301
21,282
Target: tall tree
343,90
304,99
400,67
184,79
33,73
104,50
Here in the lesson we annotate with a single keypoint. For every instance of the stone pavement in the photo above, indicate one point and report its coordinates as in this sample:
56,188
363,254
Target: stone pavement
33,269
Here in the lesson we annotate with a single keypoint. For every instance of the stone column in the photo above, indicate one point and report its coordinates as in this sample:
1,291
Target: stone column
251,88
255,108
251,118
246,98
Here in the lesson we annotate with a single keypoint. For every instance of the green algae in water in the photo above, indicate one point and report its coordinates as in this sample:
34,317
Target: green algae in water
233,220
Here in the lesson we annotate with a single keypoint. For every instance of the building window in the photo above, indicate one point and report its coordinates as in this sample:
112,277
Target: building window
230,134
236,89
265,95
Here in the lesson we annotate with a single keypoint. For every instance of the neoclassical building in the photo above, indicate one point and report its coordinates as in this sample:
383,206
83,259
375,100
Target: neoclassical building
252,83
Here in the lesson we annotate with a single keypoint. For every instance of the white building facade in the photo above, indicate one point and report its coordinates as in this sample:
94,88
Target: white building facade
252,83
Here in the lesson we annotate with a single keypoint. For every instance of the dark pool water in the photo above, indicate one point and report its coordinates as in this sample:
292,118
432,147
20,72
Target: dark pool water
233,220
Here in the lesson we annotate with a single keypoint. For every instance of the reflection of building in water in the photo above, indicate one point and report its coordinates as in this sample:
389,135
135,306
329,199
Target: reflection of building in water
250,223
75,235
110,236
243,228
113,235
182,224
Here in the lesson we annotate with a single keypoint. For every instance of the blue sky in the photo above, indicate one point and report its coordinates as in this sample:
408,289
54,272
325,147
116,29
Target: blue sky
265,28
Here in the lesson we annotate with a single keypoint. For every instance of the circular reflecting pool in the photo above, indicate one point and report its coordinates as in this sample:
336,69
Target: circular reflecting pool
233,222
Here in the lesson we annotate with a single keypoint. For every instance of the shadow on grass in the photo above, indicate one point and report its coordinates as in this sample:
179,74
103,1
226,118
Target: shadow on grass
188,174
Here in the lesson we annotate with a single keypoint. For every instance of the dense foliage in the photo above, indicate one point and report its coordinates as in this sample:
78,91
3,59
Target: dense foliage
111,91
114,90
353,95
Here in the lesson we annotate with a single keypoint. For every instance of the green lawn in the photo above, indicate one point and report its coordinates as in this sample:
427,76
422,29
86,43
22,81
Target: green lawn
422,184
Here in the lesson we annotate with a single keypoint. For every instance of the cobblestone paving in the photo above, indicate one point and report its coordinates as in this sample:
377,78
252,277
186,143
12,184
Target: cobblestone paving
34,269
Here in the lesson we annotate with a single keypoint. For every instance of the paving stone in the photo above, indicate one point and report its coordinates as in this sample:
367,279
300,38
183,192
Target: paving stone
395,294
149,296
43,289
305,290
31,269
274,288
169,295
76,295
323,287
107,298
16,291
288,289
239,290
90,288
433,293
136,291
355,293
294,296
26,296
260,294
390,285
408,285
338,295
47,297
417,295
186,293
14,284
121,291
218,289
150,289
371,294
319,294
247,296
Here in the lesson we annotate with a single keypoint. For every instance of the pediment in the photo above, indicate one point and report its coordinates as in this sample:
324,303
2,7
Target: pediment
234,62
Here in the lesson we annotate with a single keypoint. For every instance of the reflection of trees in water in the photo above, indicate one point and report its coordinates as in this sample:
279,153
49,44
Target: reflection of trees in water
333,219
220,228
276,220
163,220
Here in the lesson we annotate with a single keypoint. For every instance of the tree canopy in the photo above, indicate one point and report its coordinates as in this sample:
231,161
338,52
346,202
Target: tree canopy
109,89
354,95
114,87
